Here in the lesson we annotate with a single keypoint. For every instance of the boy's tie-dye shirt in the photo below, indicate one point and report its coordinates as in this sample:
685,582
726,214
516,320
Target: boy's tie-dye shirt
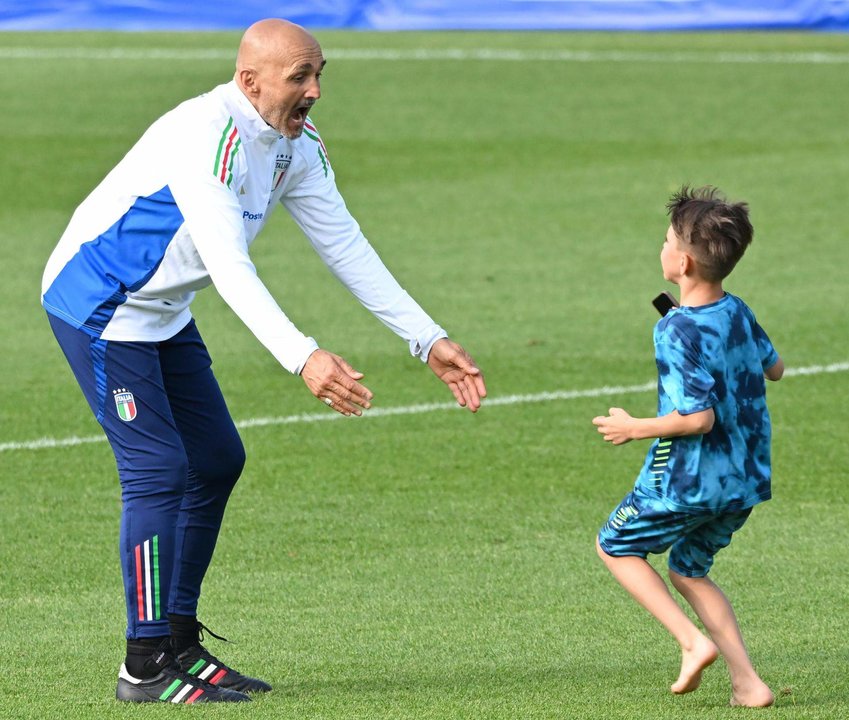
713,356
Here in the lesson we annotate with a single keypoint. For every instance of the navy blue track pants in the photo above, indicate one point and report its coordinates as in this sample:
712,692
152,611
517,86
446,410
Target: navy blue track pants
178,455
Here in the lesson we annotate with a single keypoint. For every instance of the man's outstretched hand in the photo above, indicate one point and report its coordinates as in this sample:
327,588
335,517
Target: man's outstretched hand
455,367
333,381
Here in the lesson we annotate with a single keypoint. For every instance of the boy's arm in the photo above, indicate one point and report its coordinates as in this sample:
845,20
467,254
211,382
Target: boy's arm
619,427
775,371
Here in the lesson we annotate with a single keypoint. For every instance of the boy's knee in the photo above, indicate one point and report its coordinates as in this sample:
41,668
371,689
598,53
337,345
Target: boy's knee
682,583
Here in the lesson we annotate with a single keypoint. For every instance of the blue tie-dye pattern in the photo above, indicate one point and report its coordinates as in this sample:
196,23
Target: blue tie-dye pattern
713,356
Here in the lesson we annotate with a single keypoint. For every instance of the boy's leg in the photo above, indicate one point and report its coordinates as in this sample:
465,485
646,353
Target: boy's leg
640,579
689,562
717,615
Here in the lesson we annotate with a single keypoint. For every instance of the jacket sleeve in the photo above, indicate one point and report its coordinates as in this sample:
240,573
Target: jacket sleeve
213,217
317,207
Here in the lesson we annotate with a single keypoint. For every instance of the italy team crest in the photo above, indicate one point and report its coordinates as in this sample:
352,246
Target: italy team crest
281,165
126,404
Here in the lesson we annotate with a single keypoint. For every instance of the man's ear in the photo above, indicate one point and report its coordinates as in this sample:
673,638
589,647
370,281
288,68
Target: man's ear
248,80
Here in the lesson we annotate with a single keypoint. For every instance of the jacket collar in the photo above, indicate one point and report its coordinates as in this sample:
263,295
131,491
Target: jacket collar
251,125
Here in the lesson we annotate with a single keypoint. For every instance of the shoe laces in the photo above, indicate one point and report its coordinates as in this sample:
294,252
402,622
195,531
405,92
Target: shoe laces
203,652
202,627
165,659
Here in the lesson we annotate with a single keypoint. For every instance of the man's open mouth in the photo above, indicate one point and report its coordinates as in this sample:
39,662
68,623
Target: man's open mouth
300,114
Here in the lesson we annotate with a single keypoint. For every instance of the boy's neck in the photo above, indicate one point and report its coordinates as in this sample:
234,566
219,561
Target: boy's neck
695,293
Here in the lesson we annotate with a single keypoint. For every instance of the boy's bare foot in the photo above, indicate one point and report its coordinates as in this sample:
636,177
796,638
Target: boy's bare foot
755,695
693,661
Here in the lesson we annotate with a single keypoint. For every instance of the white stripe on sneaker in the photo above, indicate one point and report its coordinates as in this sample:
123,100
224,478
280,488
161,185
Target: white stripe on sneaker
178,698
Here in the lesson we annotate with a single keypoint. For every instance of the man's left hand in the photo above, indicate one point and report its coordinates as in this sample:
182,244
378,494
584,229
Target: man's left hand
455,367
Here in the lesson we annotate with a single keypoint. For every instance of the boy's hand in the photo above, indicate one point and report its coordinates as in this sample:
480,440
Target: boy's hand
616,427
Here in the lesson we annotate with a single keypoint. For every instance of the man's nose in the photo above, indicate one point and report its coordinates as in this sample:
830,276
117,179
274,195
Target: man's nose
313,91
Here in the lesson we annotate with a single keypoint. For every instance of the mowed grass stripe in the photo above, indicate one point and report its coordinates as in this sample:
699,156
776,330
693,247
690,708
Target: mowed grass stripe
449,54
553,396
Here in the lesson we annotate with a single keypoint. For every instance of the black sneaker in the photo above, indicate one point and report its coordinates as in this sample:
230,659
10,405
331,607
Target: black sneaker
172,685
199,663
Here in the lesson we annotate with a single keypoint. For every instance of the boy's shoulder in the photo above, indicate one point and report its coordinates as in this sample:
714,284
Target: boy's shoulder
696,330
708,329
703,318
680,323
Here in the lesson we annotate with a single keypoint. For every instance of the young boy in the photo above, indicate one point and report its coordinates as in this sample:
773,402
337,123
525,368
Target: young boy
710,462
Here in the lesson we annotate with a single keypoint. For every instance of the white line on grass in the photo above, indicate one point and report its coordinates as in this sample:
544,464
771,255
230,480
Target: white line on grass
450,54
606,391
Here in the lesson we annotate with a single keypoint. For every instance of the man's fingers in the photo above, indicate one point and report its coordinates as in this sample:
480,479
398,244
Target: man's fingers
342,407
347,368
350,391
458,393
466,393
480,384
471,393
334,381
347,400
475,386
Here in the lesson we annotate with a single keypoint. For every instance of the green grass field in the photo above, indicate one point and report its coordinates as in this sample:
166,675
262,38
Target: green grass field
436,564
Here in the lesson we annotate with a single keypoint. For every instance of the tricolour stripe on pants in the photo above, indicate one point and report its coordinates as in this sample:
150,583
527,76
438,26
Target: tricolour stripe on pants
139,584
156,608
146,557
147,589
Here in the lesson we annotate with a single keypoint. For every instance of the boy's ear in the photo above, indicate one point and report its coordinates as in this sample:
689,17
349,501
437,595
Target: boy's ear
688,265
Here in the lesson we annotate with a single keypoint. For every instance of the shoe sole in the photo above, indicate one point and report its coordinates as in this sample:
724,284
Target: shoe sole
177,692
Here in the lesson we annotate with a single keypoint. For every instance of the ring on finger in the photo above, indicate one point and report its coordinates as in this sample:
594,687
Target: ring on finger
328,401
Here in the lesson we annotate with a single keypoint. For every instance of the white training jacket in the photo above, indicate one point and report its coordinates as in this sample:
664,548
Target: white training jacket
181,210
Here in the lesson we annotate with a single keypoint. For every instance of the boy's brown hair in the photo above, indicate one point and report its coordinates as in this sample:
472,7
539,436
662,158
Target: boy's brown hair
714,232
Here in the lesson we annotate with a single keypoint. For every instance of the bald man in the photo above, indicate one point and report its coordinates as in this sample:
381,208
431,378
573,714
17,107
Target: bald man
178,213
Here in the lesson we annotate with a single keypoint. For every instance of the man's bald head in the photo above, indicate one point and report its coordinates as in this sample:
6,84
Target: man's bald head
268,40
278,68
